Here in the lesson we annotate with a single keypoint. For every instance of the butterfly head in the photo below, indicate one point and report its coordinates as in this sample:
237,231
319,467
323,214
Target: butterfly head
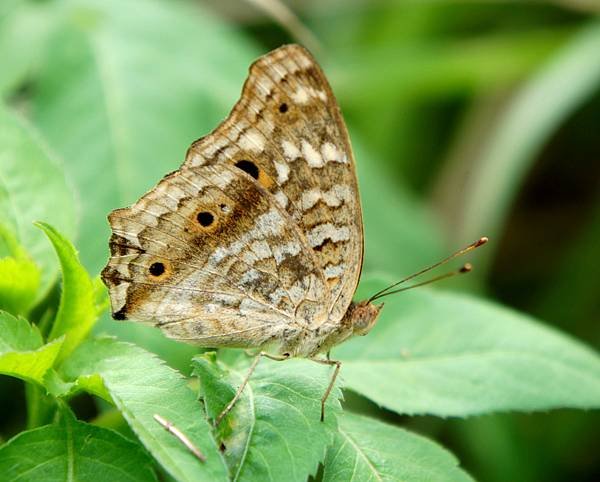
363,316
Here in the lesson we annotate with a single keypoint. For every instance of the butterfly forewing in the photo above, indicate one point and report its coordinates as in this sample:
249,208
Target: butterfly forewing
209,257
287,133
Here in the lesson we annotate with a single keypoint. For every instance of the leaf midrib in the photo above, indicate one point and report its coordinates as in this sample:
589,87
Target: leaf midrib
361,453
250,394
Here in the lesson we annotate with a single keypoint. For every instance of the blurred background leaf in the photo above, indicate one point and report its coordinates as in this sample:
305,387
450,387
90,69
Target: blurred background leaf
32,187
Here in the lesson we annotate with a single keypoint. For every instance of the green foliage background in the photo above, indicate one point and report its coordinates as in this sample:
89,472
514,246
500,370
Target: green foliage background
467,119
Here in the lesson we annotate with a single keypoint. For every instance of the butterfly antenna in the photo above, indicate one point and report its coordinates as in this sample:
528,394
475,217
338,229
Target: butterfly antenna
465,269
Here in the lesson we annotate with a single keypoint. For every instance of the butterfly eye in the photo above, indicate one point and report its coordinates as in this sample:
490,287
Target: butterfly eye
283,108
248,167
156,269
205,218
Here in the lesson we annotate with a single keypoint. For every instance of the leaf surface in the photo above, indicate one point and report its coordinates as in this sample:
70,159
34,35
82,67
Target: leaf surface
32,187
368,450
22,353
73,450
141,385
19,276
447,354
77,311
274,430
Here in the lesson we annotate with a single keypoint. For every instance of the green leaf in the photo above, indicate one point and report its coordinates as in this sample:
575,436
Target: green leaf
141,385
22,354
32,186
274,430
446,354
366,449
77,311
150,80
73,450
19,276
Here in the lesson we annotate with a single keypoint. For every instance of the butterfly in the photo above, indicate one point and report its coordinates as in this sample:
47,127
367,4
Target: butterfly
256,241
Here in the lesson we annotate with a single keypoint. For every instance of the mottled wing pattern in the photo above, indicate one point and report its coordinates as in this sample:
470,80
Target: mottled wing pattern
211,258
287,132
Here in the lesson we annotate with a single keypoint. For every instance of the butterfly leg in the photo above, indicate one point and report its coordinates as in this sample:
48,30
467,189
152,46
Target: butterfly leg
239,391
338,365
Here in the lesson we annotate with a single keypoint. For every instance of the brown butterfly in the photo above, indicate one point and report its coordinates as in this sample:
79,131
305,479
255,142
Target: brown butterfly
257,240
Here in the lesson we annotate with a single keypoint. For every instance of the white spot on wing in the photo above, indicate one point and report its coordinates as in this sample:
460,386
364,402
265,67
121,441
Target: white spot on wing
330,152
324,231
310,198
334,271
249,276
283,172
300,96
252,140
282,199
269,223
261,249
285,250
290,151
249,257
333,198
336,195
310,154
277,295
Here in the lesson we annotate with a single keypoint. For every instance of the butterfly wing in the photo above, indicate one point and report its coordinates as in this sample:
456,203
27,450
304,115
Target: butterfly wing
209,257
287,132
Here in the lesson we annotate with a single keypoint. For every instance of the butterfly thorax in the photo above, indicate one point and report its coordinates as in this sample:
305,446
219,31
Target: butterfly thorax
358,320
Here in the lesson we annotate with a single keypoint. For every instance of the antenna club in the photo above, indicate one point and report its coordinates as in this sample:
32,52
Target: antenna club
466,268
481,241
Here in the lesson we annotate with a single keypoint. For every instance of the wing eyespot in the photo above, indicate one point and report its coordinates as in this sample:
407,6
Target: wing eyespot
156,269
248,167
159,270
205,218
283,107
255,172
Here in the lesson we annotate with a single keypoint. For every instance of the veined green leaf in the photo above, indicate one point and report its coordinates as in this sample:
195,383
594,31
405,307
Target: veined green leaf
367,450
32,186
446,354
274,431
77,311
141,385
73,450
22,354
